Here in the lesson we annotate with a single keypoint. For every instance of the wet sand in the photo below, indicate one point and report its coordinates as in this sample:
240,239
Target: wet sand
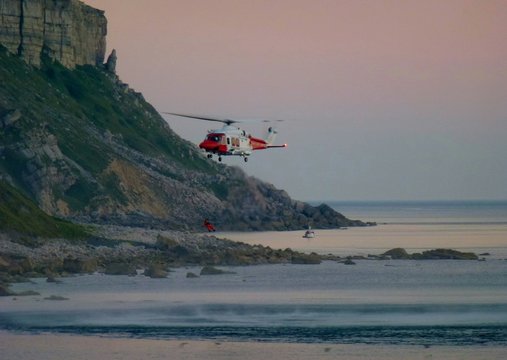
59,347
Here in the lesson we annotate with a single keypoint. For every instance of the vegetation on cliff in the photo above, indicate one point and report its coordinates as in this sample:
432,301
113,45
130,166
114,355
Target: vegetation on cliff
20,214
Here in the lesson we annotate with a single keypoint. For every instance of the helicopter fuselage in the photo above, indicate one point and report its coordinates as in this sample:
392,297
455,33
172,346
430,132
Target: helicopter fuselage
231,140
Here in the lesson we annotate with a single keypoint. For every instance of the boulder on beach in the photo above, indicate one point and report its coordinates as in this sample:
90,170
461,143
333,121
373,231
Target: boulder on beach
78,266
191,275
120,268
156,271
4,291
52,279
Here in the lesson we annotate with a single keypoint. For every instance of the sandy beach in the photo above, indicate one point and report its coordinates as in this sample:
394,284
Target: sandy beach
55,347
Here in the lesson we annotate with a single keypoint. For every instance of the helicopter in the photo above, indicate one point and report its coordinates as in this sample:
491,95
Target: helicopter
231,140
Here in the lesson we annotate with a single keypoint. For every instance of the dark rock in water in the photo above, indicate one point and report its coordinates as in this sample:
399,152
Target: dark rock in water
349,262
437,254
307,259
485,254
210,270
156,271
397,253
56,297
120,269
444,254
191,275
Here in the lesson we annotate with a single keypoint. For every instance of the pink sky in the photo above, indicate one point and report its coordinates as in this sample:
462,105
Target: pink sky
384,99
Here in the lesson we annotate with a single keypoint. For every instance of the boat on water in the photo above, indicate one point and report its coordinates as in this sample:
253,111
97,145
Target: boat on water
309,234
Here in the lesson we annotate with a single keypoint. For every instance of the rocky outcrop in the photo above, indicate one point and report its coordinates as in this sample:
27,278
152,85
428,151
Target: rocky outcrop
210,270
397,253
111,62
9,117
66,30
435,254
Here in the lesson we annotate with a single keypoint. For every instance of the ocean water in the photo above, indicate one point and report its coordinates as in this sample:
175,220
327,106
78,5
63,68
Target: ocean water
443,302
424,212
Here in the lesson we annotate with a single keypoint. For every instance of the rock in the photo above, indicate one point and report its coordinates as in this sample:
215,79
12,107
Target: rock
165,243
210,270
111,62
79,266
348,262
56,297
4,291
191,275
9,117
307,259
52,279
436,254
4,264
70,32
445,254
156,271
120,269
397,253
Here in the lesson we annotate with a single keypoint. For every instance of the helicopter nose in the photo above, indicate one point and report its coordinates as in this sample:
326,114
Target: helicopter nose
204,145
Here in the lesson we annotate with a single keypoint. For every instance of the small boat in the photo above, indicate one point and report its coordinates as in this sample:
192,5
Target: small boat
309,234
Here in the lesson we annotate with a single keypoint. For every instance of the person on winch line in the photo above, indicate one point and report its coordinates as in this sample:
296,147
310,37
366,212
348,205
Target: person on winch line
209,225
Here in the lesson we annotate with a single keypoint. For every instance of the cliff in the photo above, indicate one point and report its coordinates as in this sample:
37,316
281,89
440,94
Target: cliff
66,30
86,147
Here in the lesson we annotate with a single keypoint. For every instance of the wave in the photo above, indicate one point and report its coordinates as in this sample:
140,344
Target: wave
431,324
407,335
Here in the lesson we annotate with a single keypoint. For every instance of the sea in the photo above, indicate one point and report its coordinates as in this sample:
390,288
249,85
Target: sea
386,302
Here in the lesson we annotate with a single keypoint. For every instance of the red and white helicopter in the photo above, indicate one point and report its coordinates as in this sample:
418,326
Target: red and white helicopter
231,140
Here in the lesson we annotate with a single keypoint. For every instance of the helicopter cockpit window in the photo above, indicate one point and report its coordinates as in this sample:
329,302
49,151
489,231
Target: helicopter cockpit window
214,138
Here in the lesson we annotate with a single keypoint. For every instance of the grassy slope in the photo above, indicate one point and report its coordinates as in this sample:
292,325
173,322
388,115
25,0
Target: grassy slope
72,105
20,214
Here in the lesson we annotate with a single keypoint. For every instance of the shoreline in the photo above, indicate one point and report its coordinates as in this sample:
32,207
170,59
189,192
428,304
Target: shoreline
129,250
14,346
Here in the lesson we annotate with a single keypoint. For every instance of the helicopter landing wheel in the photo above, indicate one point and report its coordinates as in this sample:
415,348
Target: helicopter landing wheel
220,158
209,156
246,159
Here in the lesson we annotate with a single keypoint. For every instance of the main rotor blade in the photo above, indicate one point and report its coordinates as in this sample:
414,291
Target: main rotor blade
225,121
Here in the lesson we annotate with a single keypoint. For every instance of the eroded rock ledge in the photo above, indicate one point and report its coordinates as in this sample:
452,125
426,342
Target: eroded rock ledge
68,31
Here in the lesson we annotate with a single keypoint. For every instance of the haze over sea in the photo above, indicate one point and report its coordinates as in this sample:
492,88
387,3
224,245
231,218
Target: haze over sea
390,302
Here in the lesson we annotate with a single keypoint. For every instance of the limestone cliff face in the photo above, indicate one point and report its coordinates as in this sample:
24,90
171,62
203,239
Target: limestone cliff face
67,30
